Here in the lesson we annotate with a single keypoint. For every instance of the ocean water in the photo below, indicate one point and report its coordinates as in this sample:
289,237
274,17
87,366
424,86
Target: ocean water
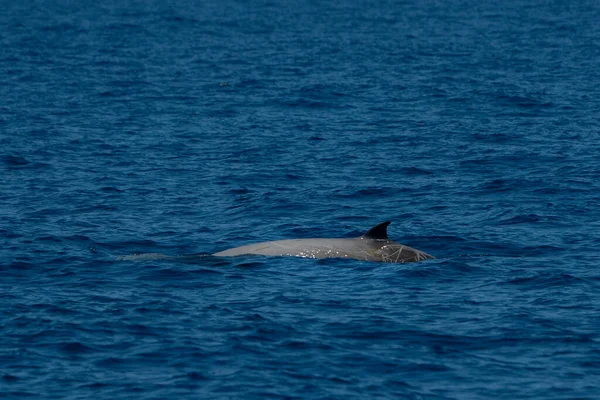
187,127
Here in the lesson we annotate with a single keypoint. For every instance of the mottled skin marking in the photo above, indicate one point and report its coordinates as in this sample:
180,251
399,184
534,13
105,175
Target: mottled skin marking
398,253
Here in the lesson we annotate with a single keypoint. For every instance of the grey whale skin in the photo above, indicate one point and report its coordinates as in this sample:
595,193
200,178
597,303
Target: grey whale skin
373,245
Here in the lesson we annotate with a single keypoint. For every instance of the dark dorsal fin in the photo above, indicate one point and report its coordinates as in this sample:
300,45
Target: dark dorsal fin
378,231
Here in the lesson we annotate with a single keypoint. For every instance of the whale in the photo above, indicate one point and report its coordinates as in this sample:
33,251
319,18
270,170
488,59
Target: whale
373,245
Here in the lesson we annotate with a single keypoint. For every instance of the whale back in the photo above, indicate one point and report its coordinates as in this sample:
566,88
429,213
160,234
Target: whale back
373,245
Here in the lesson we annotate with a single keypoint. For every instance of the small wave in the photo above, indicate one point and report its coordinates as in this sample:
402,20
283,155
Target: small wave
546,280
10,378
520,219
523,101
75,348
109,189
16,161
414,171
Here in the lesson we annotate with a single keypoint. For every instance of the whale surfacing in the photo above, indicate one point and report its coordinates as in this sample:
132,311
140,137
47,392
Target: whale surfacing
373,245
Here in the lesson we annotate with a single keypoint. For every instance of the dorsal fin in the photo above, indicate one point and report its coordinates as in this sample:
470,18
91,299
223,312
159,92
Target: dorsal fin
377,232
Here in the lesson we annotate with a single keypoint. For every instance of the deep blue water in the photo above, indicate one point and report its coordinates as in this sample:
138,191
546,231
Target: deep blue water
191,127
